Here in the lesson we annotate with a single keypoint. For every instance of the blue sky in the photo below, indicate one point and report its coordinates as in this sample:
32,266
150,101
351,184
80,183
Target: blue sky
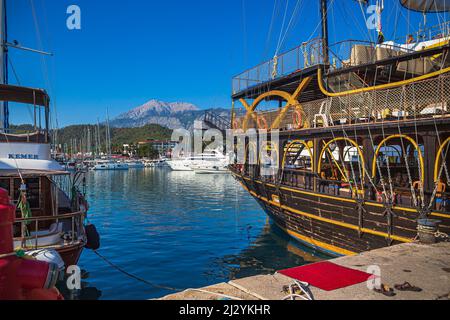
129,52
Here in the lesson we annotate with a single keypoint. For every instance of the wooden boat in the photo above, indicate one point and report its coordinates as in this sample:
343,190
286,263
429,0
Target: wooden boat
51,209
363,139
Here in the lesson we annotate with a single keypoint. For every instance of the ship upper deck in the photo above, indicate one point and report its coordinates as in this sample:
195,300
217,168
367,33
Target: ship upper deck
285,71
362,83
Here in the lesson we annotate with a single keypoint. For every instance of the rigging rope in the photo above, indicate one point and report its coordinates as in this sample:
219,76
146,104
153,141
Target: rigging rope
282,27
269,34
444,164
294,15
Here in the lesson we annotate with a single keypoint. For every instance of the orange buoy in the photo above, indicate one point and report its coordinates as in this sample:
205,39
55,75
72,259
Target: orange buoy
297,119
262,123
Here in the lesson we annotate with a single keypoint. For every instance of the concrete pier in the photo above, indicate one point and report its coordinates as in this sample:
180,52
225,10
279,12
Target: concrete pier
423,266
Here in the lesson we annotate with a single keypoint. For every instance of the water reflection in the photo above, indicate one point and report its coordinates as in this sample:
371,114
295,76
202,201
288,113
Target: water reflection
272,251
179,230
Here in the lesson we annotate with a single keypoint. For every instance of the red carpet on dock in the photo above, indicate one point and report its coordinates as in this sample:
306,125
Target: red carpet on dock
327,276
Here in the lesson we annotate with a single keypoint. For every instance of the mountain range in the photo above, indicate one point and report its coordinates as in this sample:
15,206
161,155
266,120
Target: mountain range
172,115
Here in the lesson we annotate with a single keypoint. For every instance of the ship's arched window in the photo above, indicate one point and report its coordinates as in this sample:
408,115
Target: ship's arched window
250,157
442,162
269,160
441,176
298,164
342,160
298,155
398,165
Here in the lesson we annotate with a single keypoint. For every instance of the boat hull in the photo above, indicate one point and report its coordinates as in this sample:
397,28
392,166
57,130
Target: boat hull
175,166
71,254
211,171
332,224
111,168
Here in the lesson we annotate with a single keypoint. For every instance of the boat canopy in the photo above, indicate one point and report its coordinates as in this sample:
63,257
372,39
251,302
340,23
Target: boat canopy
24,95
427,5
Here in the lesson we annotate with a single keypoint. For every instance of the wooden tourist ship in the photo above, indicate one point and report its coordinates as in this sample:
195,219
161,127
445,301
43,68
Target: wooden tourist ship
364,135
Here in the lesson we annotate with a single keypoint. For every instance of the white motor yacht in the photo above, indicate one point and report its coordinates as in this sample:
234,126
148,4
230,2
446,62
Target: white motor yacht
110,165
196,162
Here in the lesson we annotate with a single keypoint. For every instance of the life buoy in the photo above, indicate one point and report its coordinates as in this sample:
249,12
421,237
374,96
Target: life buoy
297,118
262,123
236,124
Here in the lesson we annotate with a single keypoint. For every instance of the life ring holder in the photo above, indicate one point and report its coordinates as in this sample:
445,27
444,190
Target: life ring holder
262,123
297,119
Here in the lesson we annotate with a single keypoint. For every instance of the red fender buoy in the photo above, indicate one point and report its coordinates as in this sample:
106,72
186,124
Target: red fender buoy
20,277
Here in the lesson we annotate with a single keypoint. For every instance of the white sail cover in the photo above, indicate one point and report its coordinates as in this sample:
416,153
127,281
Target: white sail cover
427,5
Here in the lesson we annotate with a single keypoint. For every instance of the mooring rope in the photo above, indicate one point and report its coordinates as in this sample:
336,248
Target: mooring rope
159,286
151,284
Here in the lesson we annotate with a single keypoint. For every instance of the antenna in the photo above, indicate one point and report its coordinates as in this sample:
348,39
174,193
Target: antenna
4,65
324,17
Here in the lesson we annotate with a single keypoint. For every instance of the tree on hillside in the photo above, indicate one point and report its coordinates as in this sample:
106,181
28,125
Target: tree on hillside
147,151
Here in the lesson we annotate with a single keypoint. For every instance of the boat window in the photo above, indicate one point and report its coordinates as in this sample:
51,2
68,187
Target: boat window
33,193
341,161
4,184
399,159
298,155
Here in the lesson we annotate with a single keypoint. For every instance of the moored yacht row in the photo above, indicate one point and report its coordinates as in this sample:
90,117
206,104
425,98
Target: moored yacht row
111,164
213,162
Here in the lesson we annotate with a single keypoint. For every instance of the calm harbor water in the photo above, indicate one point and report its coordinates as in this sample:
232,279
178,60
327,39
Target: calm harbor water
179,230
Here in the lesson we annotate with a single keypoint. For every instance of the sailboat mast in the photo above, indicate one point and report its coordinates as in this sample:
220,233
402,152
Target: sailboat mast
4,121
108,135
324,17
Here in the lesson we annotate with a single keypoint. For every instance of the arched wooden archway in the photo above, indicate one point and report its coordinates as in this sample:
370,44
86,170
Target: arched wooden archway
247,150
270,146
353,143
439,157
399,136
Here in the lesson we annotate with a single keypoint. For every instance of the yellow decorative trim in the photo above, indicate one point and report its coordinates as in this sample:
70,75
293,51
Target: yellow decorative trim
318,243
375,88
330,221
348,200
292,102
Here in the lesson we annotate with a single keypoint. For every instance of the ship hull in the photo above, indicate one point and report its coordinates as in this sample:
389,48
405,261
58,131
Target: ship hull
332,224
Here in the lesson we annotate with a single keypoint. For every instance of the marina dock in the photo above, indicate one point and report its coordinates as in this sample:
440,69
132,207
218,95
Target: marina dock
423,266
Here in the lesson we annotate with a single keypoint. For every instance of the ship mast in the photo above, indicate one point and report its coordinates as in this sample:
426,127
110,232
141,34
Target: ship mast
3,65
4,47
324,17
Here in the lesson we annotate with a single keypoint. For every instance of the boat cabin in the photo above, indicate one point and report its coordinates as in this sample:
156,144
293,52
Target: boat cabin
50,207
